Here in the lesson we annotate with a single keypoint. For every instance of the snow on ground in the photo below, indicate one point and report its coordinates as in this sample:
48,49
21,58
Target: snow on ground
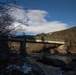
25,68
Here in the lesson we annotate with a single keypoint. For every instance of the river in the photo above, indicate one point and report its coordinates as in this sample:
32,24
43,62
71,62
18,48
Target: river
64,57
52,70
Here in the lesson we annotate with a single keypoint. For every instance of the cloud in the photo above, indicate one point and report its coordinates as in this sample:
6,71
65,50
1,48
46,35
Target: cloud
34,21
18,13
47,27
36,16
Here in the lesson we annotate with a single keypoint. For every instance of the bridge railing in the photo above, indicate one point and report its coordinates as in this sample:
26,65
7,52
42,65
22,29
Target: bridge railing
9,38
31,38
50,39
43,38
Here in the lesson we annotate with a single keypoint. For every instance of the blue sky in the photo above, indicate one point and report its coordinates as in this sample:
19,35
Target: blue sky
61,10
47,15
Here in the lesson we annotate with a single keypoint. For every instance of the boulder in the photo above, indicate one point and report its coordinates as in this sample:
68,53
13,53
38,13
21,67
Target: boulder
52,62
71,73
70,66
16,64
67,68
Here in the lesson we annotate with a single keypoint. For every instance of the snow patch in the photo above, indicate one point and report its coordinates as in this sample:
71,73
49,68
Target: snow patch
25,68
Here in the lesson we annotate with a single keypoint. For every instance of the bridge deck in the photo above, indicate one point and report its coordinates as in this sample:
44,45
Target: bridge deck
45,41
32,40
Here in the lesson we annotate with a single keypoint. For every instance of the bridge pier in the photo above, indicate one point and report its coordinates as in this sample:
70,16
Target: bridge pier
23,47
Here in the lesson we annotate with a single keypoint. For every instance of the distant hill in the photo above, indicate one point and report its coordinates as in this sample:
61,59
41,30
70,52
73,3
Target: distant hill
63,34
68,35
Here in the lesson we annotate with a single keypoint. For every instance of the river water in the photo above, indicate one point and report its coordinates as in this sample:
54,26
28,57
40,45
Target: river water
51,70
64,57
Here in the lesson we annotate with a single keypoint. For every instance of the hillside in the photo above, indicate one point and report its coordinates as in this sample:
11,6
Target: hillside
63,34
68,35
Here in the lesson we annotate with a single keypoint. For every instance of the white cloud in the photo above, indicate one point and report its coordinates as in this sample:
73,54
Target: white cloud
36,16
47,27
18,13
34,21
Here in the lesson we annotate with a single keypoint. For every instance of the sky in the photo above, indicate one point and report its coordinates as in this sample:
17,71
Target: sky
44,16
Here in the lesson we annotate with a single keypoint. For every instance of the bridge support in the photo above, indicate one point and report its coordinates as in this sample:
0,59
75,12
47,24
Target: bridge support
23,48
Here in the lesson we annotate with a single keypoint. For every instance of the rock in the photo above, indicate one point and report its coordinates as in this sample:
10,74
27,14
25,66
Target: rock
16,64
74,60
18,69
37,70
67,68
70,66
58,63
56,71
72,63
71,73
25,69
53,62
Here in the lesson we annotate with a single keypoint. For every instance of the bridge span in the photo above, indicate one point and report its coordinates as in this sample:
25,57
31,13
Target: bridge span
33,40
25,39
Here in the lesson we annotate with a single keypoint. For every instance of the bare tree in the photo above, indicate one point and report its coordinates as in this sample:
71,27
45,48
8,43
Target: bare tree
6,19
6,22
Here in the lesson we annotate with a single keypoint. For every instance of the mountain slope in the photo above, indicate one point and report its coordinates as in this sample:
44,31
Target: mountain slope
64,34
68,35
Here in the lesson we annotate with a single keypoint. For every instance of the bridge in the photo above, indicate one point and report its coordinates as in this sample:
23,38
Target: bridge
31,39
46,41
